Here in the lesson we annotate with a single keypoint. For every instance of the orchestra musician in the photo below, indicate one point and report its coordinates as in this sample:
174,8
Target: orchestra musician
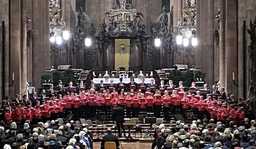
132,84
143,85
101,86
120,85
111,86
152,86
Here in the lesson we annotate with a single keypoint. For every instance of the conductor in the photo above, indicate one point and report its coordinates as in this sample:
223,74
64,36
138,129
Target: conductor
118,116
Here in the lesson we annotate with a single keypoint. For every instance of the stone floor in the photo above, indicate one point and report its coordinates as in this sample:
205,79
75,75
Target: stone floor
128,145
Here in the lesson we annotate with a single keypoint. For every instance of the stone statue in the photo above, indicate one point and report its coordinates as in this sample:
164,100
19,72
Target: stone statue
81,18
164,18
92,30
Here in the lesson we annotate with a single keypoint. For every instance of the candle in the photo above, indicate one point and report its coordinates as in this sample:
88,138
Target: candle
106,72
12,76
233,76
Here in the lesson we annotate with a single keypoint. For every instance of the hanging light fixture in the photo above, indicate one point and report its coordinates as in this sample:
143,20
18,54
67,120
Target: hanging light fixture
185,42
194,41
179,40
59,40
52,39
65,35
88,42
157,42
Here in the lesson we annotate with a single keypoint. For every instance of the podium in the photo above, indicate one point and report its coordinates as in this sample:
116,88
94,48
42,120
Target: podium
129,124
151,121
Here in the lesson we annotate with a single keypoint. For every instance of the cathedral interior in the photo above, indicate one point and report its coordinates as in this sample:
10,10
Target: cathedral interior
209,42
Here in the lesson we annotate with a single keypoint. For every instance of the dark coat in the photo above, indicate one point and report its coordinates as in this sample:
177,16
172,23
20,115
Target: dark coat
110,138
54,145
118,114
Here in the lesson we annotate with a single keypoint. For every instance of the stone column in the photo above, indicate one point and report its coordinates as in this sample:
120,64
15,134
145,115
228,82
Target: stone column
209,47
231,46
176,14
24,64
198,34
222,43
5,16
250,13
15,46
241,18
41,47
204,36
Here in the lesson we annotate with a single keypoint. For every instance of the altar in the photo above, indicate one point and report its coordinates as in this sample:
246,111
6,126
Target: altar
125,80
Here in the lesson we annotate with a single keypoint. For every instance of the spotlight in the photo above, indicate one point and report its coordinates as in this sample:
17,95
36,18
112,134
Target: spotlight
157,42
88,42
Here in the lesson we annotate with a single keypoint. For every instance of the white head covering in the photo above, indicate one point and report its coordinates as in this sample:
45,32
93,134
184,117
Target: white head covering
161,126
7,146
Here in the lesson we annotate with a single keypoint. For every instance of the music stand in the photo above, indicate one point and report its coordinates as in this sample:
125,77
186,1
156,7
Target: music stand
81,89
132,87
143,88
151,121
129,124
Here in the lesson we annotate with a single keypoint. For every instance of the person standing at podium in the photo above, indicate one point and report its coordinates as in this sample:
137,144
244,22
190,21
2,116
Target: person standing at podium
118,116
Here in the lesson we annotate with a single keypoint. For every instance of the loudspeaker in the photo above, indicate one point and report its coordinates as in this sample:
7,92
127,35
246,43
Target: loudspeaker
178,117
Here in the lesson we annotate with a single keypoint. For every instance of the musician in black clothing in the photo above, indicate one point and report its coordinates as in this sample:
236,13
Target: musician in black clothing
152,86
132,83
118,116
101,86
59,87
109,138
143,85
120,86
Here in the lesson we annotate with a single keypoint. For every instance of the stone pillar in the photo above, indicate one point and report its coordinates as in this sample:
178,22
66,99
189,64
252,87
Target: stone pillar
41,47
209,47
241,18
231,46
176,14
204,36
198,49
222,43
24,64
5,16
250,13
15,46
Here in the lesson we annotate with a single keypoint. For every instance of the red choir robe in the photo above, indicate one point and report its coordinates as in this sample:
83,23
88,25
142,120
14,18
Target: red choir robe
175,100
114,102
149,101
166,101
91,100
142,102
158,100
129,101
122,100
136,102
100,101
